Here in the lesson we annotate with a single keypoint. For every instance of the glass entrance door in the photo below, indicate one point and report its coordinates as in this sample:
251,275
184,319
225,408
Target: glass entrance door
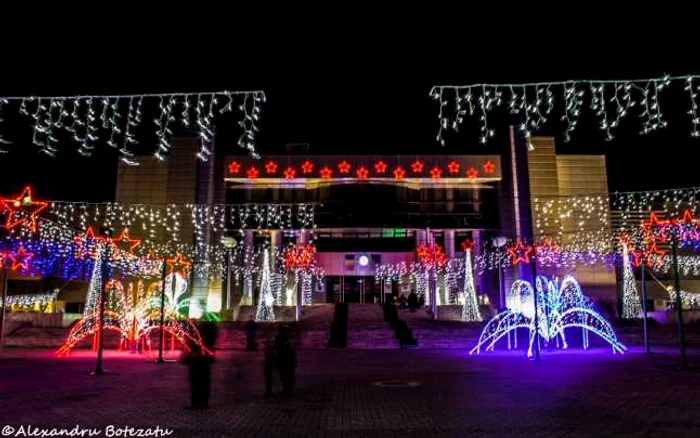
352,289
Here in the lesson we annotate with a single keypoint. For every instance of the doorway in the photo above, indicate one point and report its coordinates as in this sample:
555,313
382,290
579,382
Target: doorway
352,289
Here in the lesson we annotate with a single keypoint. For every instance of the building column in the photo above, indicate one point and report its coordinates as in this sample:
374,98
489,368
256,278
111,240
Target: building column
476,251
449,240
249,261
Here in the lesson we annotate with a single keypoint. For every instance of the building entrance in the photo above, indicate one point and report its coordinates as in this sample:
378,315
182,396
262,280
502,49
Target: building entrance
352,289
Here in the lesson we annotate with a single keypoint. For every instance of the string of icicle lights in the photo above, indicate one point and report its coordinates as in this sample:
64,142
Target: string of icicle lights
609,101
114,119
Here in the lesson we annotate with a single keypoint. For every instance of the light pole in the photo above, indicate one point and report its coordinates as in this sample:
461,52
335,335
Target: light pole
499,242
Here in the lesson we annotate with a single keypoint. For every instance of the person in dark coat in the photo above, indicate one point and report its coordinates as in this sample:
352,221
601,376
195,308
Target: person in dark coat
270,366
250,329
413,301
199,358
286,361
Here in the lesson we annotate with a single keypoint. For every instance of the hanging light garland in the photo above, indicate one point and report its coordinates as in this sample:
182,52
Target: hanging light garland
610,101
114,119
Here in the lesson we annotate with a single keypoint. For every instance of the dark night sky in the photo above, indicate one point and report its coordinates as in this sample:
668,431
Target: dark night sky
359,95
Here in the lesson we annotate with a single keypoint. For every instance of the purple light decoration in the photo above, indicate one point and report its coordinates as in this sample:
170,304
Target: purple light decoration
560,307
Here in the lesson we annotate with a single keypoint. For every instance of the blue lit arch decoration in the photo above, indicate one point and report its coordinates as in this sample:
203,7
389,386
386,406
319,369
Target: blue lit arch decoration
560,307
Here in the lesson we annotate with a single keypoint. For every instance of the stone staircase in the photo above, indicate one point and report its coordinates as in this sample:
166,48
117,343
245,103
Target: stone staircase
367,328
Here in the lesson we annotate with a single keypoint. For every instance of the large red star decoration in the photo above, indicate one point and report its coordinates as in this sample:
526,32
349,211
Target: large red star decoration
307,167
428,256
252,172
453,167
125,240
489,167
472,173
326,172
179,265
380,167
417,166
655,256
399,173
270,167
435,172
23,210
362,172
289,173
234,167
20,259
467,245
85,244
636,257
344,167
519,253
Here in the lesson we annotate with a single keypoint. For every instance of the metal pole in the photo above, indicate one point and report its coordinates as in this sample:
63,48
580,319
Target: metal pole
501,297
644,307
4,304
228,279
161,341
534,291
297,313
100,324
679,304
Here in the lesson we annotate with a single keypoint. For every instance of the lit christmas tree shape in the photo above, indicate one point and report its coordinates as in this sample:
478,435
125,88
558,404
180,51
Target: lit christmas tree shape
559,307
266,302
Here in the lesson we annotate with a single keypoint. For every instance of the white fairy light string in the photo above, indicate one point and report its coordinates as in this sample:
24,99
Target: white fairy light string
610,101
85,117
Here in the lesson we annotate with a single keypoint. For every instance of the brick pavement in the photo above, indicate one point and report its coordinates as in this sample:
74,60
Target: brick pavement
503,394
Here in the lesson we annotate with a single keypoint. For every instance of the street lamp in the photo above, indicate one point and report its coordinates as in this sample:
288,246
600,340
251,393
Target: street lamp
499,242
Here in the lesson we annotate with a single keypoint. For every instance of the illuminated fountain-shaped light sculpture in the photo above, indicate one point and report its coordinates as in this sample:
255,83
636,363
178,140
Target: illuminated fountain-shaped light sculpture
631,304
266,302
560,307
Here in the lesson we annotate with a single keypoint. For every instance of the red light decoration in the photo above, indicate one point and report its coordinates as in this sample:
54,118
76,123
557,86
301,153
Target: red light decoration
453,167
547,251
362,172
300,257
252,172
344,167
234,167
289,173
417,166
271,167
23,204
124,239
87,238
380,167
519,253
472,173
467,245
307,167
399,173
20,260
326,172
655,256
179,265
435,172
489,167
428,256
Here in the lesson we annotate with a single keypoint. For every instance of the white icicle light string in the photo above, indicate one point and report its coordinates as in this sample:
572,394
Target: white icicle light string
83,116
610,101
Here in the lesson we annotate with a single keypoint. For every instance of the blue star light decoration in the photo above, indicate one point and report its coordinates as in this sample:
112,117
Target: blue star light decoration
559,307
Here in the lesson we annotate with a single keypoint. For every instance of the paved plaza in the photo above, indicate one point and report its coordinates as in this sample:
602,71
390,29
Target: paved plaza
383,393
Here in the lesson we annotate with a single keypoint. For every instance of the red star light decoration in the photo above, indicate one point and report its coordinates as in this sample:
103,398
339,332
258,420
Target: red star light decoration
23,210
20,259
125,240
467,245
435,172
362,172
85,243
519,253
289,173
179,265
252,172
453,167
326,172
307,167
399,173
489,167
472,173
655,256
344,167
380,167
234,167
417,166
270,167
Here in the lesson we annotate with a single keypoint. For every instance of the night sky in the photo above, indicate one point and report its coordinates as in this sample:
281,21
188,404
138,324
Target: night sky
356,96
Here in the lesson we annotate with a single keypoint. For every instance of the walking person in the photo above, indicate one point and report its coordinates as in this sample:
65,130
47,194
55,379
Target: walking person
200,358
413,301
250,329
286,362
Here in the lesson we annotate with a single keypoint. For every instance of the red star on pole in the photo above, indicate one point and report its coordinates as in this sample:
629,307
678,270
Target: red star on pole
234,167
467,245
519,253
453,167
472,173
252,172
20,260
270,167
89,239
435,172
399,173
307,167
362,172
128,241
344,167
380,167
22,206
289,173
489,167
179,265
326,172
417,166
655,256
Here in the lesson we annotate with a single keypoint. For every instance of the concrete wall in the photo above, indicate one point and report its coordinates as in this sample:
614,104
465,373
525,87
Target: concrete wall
334,262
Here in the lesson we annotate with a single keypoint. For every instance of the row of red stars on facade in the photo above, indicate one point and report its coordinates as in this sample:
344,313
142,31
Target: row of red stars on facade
345,168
